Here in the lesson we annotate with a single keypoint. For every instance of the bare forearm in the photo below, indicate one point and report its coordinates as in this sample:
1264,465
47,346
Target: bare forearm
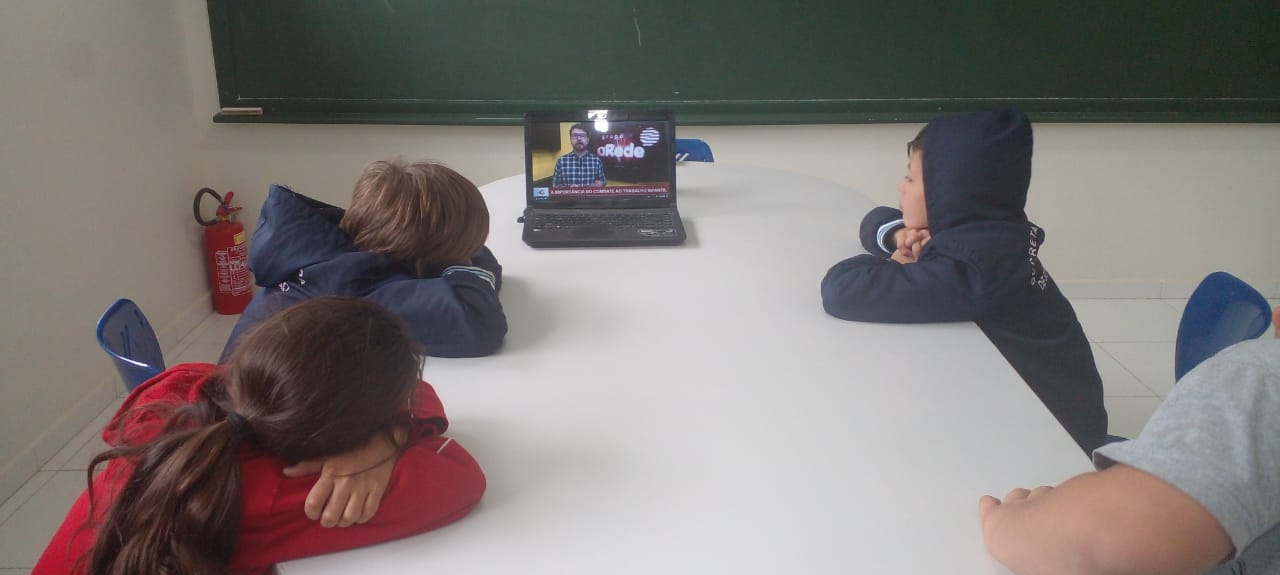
1119,521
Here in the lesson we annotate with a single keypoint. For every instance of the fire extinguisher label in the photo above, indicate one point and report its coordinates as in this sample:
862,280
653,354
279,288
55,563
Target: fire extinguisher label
233,274
238,238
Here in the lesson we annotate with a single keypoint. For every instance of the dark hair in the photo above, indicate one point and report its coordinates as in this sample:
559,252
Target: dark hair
422,213
585,127
317,379
917,144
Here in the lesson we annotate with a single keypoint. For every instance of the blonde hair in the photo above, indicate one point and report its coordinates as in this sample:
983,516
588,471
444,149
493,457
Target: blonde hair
422,213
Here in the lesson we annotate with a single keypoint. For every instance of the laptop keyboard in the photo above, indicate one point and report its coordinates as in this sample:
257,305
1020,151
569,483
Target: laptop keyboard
622,219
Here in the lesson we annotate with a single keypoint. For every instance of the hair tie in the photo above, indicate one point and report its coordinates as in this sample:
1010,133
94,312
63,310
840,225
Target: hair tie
238,423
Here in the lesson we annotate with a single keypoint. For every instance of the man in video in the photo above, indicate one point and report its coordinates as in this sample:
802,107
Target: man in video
580,167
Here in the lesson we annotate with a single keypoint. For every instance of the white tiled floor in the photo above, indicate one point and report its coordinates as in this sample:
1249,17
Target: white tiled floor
29,517
1132,344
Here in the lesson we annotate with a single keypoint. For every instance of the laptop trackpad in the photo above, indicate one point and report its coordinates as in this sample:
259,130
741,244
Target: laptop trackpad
592,231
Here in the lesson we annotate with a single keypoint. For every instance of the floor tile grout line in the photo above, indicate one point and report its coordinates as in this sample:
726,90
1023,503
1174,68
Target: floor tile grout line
80,439
34,490
94,427
1130,371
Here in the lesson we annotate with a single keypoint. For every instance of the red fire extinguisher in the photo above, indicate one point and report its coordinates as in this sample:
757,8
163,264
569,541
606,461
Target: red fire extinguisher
227,255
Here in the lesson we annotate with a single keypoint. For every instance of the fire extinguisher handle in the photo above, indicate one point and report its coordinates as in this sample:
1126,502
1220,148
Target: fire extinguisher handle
195,206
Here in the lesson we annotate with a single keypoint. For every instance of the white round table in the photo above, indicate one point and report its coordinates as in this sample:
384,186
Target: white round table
692,409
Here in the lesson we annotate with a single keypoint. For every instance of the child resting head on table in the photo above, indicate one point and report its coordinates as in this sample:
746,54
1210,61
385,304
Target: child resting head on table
211,468
412,241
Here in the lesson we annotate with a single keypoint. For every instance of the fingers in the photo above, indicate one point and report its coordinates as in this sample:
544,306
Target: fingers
353,500
350,487
986,504
1021,493
900,238
318,498
1016,495
371,504
335,508
989,512
353,512
915,240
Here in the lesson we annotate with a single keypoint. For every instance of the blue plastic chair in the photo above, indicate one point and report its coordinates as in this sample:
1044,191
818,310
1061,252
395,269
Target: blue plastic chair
127,337
693,150
1222,311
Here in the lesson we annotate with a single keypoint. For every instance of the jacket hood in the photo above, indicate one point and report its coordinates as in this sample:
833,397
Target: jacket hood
279,249
977,167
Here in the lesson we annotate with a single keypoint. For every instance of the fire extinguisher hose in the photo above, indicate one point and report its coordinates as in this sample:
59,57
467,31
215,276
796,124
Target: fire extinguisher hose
195,206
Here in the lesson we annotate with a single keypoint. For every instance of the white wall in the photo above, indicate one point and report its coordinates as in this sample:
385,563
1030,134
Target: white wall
1134,204
97,170
1126,207
106,134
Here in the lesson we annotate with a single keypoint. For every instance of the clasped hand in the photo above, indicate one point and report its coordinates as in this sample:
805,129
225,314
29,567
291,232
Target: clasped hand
909,242
351,484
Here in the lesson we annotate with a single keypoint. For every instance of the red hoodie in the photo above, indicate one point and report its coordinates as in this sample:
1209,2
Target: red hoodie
435,482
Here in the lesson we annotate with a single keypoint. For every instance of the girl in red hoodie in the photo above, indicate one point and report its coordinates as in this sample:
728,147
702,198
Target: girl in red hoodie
210,467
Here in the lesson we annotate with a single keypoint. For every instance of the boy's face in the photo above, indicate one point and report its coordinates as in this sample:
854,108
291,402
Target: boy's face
911,194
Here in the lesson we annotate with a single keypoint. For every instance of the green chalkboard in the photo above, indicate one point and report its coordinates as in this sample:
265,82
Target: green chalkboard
745,61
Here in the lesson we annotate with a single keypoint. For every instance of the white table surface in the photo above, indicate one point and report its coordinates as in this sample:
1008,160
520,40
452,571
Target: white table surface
693,409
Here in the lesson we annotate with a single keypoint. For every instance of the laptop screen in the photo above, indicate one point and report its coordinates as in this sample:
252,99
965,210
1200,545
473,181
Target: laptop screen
599,157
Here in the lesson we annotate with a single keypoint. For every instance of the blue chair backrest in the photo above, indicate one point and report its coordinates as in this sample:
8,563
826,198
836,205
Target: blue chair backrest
1222,311
127,337
693,150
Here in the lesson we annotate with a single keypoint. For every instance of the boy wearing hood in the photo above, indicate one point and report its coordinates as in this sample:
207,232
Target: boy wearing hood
961,249
412,241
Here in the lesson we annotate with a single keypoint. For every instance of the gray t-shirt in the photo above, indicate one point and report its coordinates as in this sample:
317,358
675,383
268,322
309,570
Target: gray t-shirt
1217,438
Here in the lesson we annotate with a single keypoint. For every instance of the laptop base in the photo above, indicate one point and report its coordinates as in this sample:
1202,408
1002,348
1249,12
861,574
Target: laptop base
576,228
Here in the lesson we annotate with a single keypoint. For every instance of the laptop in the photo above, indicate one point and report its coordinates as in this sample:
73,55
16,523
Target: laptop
598,178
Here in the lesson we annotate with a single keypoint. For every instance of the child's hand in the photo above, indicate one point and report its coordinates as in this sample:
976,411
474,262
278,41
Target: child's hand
909,242
992,510
917,241
351,484
900,238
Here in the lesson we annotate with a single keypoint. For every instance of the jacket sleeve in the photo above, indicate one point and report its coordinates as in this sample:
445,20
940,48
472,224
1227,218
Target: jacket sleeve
455,315
435,482
934,289
294,232
877,230
485,259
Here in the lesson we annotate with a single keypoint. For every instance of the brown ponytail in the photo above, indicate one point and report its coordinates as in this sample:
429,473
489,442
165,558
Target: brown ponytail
315,380
179,512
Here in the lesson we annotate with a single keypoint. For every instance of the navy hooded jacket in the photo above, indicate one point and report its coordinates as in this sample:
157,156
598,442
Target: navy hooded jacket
299,252
981,264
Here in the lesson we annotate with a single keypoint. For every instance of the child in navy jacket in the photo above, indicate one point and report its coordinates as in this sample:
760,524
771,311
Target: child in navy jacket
961,249
412,241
